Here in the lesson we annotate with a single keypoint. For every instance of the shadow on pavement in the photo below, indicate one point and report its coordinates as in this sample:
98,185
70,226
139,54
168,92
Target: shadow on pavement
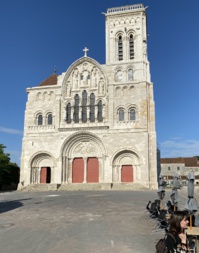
7,206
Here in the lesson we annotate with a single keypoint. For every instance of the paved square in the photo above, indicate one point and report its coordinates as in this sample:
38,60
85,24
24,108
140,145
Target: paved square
77,221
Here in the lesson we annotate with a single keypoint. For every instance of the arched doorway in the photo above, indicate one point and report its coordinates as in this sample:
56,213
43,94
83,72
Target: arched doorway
126,166
83,154
42,168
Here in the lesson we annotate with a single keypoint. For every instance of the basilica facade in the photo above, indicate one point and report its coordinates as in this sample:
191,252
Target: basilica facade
95,123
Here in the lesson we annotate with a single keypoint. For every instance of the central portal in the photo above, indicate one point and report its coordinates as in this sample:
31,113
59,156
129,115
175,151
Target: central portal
91,170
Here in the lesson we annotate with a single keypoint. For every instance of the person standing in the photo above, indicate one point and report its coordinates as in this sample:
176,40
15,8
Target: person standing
178,224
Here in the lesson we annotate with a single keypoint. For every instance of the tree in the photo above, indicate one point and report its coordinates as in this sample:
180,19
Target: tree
9,172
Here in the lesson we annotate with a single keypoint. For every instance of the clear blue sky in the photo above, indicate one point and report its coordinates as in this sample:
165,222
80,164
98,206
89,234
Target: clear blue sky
37,35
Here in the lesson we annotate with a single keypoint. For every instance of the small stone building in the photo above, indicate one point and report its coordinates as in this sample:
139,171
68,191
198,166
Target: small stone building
95,123
181,166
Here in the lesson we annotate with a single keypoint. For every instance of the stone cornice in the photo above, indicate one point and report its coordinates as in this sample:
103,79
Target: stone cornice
83,128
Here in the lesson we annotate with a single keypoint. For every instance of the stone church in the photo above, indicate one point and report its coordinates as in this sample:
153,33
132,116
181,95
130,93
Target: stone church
94,125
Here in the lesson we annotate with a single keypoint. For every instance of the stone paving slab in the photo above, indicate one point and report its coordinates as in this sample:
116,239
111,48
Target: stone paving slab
78,222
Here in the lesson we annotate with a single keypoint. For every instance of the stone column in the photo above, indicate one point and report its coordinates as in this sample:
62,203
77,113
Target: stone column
85,170
119,168
52,177
101,172
96,112
80,114
70,161
88,113
38,175
72,114
66,170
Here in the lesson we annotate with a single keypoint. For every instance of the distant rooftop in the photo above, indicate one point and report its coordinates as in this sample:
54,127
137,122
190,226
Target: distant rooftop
188,161
134,7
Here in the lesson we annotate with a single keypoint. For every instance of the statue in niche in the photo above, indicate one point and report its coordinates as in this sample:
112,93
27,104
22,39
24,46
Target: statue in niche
75,79
101,86
95,76
68,89
130,75
119,76
85,77
85,66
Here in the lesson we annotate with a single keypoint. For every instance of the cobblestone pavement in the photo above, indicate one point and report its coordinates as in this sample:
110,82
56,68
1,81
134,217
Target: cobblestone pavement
75,222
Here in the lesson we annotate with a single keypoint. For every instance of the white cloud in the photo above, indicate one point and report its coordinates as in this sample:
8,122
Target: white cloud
178,147
10,131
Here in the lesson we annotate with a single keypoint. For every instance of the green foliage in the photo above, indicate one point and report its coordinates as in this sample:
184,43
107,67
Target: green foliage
9,172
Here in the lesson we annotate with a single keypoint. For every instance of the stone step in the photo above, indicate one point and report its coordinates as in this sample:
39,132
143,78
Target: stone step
90,186
41,187
85,187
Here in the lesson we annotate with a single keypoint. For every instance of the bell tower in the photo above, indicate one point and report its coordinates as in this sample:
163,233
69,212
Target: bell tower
126,38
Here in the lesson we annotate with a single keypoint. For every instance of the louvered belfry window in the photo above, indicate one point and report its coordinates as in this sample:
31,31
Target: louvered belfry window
131,46
120,49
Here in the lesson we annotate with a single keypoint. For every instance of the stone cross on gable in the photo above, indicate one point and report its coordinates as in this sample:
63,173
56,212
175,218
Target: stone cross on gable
85,51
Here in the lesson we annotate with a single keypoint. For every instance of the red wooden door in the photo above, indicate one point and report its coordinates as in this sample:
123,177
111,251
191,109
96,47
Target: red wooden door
92,170
127,173
78,170
43,175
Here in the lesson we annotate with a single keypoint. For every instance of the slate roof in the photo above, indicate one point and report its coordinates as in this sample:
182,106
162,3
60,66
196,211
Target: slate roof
51,80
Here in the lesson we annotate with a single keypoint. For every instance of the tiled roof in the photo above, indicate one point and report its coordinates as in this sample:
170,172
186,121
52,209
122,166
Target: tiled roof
188,161
51,80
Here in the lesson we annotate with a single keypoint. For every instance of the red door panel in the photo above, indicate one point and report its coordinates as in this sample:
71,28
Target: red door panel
92,170
127,173
43,175
78,170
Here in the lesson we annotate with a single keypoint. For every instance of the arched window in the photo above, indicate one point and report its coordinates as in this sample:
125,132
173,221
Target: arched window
68,113
99,114
92,107
121,114
130,75
120,48
132,114
84,106
131,47
50,119
40,120
76,109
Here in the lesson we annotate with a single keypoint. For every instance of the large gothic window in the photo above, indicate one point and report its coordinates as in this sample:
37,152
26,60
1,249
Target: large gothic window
121,114
132,114
92,107
40,120
49,119
68,113
99,114
120,48
84,106
131,47
76,109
